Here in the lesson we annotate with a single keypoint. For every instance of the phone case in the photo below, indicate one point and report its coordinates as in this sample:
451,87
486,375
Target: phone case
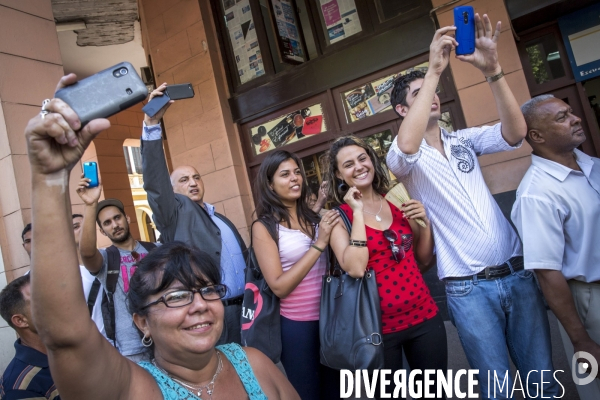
90,171
181,91
155,105
464,20
105,93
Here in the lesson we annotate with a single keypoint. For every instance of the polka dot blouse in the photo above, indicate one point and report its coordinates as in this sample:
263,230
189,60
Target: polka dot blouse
405,298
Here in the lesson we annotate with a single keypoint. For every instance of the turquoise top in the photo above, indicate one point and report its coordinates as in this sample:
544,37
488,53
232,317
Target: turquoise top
171,390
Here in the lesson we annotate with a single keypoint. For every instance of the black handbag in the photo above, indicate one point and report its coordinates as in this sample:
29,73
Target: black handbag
350,319
261,323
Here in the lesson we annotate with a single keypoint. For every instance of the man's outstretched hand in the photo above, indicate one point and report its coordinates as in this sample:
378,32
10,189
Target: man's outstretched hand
56,141
159,91
485,57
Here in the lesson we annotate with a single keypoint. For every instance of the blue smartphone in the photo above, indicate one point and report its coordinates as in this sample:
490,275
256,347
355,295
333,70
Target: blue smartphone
155,105
464,20
90,171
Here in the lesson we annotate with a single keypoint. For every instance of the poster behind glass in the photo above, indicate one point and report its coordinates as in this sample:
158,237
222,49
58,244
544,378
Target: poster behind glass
242,35
340,19
288,128
288,31
373,97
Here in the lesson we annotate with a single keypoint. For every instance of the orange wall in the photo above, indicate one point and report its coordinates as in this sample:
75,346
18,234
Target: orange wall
30,67
502,171
183,47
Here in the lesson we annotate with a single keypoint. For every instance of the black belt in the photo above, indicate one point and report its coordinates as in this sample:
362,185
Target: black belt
494,272
233,301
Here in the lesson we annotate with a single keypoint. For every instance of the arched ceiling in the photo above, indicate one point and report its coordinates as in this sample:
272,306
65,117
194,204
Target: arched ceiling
108,22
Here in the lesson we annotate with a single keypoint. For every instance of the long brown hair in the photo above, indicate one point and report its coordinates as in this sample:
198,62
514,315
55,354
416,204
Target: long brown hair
381,181
269,207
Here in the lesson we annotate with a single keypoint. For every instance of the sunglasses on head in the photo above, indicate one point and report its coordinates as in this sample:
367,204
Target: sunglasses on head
397,251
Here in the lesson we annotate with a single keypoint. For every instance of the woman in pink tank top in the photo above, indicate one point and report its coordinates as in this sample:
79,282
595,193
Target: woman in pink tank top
293,266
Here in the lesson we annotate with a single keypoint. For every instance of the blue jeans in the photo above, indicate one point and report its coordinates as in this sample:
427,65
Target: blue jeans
502,317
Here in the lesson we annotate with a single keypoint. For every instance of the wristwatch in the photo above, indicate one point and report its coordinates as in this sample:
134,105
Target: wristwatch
494,78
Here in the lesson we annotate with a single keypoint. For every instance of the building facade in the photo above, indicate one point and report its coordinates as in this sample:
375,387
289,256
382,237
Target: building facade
292,74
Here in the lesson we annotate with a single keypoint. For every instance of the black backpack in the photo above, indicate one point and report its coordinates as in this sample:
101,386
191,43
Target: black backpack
112,276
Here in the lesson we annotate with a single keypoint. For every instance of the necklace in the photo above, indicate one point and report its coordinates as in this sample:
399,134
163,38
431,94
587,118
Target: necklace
377,217
196,388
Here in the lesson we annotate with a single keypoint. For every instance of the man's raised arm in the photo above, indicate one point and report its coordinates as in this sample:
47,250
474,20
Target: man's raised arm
157,181
90,256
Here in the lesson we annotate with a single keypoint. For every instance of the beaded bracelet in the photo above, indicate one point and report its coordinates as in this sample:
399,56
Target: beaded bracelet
317,248
358,243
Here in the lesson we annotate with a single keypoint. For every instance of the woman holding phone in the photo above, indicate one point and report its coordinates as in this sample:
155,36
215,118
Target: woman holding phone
174,296
387,240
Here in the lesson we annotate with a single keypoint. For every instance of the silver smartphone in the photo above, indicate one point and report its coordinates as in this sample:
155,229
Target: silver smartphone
105,93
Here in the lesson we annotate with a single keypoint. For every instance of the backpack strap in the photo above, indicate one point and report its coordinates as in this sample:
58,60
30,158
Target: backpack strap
148,246
108,304
93,295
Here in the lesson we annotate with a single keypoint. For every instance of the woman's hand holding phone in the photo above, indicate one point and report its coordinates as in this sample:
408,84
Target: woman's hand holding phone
57,141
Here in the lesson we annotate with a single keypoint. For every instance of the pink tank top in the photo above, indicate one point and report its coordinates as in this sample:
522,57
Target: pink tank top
302,304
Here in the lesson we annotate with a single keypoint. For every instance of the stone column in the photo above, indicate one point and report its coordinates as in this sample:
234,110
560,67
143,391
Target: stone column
30,67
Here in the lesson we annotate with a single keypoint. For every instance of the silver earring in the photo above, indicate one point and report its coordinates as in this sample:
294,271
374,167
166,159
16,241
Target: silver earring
147,341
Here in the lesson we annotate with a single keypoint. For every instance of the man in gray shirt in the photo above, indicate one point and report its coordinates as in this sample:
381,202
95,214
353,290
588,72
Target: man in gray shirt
114,224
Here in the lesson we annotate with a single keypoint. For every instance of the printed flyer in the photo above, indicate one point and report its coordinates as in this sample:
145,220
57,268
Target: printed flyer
341,19
244,42
288,128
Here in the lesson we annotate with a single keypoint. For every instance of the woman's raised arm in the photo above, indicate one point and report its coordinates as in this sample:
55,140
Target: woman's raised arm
83,363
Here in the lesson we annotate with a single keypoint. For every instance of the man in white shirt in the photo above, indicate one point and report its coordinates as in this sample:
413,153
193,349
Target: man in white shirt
94,302
557,214
493,302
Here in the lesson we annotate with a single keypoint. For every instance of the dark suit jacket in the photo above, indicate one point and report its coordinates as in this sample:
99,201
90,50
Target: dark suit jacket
176,216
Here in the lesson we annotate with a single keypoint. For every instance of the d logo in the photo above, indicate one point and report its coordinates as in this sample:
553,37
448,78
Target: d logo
578,369
248,313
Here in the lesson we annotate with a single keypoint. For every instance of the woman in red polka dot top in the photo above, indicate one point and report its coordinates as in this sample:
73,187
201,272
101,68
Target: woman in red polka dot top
387,240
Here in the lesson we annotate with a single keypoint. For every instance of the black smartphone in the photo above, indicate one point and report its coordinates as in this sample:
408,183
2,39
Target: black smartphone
105,93
90,171
181,91
155,105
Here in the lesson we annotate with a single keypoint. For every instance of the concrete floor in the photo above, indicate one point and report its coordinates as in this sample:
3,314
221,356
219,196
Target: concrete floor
457,359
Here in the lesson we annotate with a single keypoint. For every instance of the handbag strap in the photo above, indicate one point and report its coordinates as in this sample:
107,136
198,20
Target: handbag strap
334,267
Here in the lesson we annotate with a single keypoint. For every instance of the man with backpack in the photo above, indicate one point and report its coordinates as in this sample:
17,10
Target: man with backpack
91,285
113,266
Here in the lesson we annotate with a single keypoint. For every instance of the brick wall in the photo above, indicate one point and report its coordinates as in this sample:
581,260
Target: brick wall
502,171
183,48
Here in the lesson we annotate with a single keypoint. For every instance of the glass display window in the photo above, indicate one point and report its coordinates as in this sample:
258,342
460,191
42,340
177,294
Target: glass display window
373,97
339,19
243,39
288,128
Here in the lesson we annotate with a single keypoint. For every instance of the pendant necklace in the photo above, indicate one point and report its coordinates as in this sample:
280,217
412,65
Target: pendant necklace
195,388
377,217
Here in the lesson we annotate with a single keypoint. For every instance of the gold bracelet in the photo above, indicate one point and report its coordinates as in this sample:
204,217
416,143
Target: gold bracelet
495,78
317,248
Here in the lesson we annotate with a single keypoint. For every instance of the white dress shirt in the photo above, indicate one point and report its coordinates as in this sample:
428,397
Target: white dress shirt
557,214
469,229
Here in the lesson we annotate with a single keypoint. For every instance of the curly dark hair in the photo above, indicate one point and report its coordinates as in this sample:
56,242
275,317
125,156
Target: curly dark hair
269,208
401,86
381,181
12,300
